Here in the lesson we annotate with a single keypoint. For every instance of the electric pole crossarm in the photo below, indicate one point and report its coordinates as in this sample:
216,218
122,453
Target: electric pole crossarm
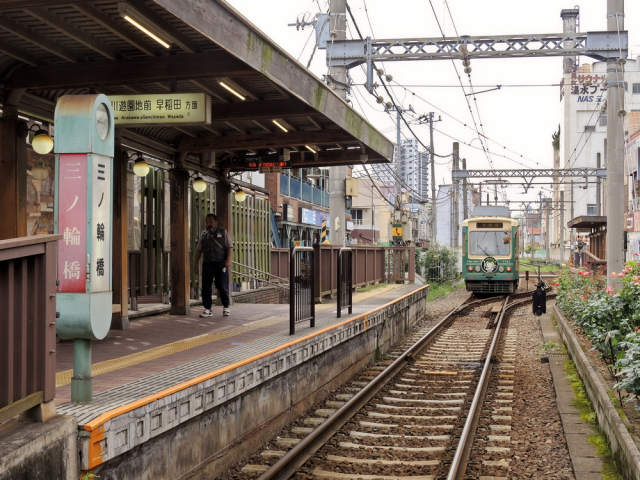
598,45
525,173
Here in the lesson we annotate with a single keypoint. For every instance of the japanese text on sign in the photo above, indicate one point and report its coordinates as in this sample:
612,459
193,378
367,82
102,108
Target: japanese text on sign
72,222
162,109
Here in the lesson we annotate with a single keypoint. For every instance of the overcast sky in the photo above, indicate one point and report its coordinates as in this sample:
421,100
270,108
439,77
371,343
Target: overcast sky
520,118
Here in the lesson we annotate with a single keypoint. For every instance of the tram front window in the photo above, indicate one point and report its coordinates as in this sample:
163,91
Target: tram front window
488,243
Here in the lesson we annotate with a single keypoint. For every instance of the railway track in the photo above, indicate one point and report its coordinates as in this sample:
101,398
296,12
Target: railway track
416,415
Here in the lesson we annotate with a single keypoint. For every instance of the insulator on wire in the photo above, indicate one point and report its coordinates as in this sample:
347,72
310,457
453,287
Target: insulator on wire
467,70
379,99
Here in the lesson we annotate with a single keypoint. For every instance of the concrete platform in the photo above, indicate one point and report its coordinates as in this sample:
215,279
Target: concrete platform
586,464
180,371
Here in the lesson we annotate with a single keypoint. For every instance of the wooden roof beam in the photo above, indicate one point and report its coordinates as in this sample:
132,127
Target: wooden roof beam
123,72
264,110
20,54
114,27
258,141
73,32
39,40
164,28
316,124
207,89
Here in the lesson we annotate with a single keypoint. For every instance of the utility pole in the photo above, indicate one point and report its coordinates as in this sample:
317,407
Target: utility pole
562,226
547,225
339,82
615,147
454,186
464,192
598,194
434,207
398,152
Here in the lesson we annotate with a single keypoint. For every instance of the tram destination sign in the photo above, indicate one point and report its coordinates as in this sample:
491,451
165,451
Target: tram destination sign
160,109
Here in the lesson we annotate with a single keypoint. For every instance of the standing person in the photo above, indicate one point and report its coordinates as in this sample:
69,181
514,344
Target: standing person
216,248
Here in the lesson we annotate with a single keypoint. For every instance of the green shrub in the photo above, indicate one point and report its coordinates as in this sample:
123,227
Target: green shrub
599,311
438,263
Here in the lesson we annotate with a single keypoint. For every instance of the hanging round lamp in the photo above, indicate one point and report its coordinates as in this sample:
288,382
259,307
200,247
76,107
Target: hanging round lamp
140,167
199,185
240,195
42,142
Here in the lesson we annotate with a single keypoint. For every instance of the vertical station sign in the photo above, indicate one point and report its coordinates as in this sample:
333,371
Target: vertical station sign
84,147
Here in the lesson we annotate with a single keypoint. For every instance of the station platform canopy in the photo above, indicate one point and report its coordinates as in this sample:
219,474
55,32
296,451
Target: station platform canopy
588,221
262,100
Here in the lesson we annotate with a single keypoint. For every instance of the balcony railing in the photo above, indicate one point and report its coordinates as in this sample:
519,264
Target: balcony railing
303,191
27,323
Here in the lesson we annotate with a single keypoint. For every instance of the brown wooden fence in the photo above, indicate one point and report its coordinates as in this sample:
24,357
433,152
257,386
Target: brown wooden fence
370,265
27,322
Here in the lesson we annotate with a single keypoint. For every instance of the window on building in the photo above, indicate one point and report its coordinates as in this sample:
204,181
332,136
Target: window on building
356,216
591,209
636,88
603,120
589,128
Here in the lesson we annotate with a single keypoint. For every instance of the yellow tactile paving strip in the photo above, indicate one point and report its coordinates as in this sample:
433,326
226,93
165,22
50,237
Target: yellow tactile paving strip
64,378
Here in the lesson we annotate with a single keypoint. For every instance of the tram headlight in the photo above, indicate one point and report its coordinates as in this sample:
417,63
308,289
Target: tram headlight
477,268
501,269
508,269
471,269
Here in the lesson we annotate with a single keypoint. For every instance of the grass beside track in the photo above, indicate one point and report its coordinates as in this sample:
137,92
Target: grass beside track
588,415
437,290
543,268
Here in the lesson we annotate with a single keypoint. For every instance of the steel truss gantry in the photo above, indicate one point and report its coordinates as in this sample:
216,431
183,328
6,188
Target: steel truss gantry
528,175
598,45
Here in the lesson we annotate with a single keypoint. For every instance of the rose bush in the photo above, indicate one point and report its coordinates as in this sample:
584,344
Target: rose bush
599,310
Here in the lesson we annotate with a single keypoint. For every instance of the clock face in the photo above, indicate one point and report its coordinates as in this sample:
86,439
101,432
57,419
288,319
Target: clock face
102,121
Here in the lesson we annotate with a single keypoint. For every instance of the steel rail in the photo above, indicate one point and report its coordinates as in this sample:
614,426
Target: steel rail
297,456
459,463
461,457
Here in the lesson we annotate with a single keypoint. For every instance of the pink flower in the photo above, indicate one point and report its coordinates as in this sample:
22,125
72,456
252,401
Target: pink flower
613,274
609,289
636,256
579,273
636,278
629,267
583,297
557,284
586,263
621,274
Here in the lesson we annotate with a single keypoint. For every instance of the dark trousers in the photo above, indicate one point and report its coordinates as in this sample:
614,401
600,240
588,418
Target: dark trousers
212,273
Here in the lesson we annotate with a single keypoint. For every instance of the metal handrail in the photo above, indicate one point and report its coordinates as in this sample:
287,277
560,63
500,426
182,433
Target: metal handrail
283,280
294,307
268,282
341,281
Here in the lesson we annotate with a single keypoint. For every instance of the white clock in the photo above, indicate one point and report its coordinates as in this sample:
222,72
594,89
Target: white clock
102,121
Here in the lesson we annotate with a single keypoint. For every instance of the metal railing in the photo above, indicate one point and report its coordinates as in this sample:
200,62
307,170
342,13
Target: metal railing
400,264
345,280
27,323
259,276
309,193
370,265
301,281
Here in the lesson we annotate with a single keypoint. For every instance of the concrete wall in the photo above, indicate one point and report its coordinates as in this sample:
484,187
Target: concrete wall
206,445
38,451
616,430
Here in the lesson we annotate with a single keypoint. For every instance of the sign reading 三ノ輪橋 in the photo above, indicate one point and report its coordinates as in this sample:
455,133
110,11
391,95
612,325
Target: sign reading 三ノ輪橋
161,109
84,150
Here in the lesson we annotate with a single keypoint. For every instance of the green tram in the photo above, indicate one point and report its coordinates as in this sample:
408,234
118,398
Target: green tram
490,255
